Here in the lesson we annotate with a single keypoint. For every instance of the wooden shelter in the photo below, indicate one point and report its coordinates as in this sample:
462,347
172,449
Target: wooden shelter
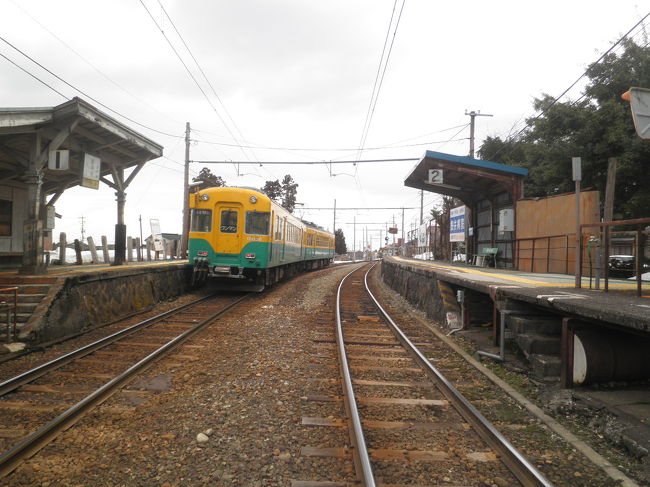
43,152
489,190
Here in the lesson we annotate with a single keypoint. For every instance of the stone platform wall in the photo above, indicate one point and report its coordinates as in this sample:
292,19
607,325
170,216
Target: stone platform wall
418,286
83,301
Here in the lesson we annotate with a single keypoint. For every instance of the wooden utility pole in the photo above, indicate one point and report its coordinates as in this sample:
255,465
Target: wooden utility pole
186,193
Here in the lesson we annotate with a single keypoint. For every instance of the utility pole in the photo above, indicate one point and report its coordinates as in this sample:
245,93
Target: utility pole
186,193
472,116
403,239
354,237
82,219
140,219
421,206
334,222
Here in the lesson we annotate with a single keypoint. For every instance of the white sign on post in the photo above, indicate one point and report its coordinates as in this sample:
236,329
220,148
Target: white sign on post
91,171
457,224
435,176
156,235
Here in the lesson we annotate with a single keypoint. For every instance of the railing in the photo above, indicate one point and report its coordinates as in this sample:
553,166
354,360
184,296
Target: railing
604,233
8,307
545,250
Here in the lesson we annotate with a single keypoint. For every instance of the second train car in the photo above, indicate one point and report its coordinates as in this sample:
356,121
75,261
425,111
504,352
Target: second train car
242,235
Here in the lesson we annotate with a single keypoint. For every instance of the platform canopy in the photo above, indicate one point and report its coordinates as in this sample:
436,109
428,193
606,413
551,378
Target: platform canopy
467,179
77,126
44,151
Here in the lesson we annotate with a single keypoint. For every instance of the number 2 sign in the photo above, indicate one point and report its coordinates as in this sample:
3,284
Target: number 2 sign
435,176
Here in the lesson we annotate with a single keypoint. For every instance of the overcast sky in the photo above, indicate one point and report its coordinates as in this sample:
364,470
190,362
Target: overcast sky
298,75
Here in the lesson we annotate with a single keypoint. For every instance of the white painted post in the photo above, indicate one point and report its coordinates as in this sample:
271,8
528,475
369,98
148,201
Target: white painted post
62,247
129,249
107,258
93,250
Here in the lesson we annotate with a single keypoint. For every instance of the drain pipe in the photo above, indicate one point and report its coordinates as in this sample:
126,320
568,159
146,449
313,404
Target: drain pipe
460,297
501,357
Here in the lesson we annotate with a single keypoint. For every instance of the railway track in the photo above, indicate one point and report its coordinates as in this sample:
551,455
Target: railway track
408,424
37,405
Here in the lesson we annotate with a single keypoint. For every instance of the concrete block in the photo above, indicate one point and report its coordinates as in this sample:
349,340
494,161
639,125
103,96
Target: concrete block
549,325
538,344
545,366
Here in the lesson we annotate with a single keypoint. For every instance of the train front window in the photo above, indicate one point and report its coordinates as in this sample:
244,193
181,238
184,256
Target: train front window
201,221
228,221
257,223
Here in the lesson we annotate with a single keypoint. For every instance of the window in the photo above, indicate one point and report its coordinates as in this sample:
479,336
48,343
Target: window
257,223
228,221
201,221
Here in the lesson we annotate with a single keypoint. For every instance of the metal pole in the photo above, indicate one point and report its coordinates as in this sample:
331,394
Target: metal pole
354,238
421,206
186,193
403,238
334,222
577,177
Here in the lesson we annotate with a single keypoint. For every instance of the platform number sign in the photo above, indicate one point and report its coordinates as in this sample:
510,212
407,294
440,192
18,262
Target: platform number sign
435,176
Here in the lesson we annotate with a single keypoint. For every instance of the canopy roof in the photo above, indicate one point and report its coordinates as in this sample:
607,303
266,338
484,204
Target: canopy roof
77,126
465,178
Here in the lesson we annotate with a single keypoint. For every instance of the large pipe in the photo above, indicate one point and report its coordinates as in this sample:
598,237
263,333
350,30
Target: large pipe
602,355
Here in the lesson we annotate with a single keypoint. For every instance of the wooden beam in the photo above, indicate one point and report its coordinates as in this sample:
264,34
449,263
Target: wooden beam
133,174
20,158
56,142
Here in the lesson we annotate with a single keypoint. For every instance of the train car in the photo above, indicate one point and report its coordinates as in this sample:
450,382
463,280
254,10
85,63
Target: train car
241,235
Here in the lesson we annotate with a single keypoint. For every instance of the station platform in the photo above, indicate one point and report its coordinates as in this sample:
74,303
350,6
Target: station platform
556,292
68,299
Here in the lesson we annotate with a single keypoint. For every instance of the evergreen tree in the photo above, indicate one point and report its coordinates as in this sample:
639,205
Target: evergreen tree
282,193
339,242
208,179
595,127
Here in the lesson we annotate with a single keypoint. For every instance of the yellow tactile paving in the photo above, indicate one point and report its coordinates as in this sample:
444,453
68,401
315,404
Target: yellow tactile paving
514,278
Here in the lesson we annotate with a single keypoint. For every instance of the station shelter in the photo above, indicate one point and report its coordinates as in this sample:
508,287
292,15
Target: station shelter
43,152
489,191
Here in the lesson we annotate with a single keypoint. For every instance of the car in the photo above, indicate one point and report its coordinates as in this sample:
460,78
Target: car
624,266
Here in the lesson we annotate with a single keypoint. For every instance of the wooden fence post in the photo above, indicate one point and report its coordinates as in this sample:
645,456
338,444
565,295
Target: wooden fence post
107,258
77,251
62,248
138,249
93,250
129,249
149,245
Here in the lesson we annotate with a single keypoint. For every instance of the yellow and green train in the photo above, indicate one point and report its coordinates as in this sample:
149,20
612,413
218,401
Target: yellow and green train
240,233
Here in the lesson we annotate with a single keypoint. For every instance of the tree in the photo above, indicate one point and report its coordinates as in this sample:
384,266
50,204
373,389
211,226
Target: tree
273,190
441,248
208,179
339,242
282,193
595,127
289,191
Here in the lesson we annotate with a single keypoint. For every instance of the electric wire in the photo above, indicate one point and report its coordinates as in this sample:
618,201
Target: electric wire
205,77
556,99
79,90
191,75
89,63
373,105
34,76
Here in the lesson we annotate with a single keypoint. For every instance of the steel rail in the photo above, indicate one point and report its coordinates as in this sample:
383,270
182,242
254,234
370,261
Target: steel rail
32,374
360,453
521,468
30,445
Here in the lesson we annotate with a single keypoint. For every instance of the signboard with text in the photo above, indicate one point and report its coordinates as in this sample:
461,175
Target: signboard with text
91,171
457,224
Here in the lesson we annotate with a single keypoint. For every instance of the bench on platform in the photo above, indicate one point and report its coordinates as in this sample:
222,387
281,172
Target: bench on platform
487,256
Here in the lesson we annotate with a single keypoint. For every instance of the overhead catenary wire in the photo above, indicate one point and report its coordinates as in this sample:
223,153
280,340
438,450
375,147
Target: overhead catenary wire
379,79
290,163
191,75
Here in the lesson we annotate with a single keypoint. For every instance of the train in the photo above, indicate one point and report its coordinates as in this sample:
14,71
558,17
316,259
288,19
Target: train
241,238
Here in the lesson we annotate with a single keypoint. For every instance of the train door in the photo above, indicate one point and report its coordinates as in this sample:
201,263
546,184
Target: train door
284,236
229,234
273,225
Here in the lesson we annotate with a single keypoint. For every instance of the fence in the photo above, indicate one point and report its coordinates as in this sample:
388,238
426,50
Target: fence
82,253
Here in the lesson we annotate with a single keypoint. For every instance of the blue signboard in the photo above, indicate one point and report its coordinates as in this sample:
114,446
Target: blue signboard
457,224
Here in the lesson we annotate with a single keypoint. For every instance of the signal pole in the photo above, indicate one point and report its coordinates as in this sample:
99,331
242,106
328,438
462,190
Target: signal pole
472,116
186,193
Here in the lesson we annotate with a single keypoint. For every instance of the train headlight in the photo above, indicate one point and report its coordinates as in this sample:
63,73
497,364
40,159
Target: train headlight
250,256
253,199
204,197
